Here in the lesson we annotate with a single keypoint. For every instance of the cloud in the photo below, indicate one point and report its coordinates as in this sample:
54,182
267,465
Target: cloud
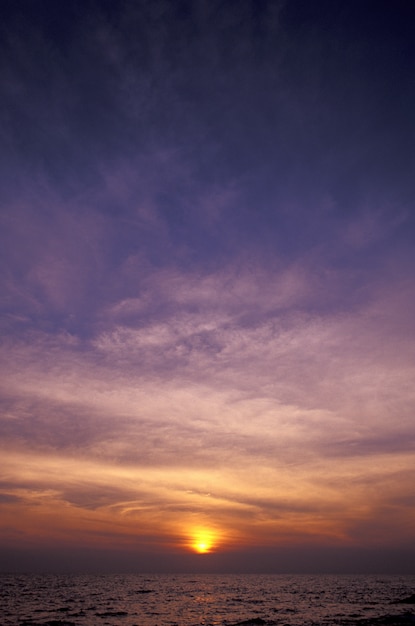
285,418
311,368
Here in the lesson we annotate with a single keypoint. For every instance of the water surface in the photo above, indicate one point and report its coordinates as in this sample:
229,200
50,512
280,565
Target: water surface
216,600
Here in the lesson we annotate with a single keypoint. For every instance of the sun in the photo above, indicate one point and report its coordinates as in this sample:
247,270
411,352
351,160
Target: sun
203,541
202,547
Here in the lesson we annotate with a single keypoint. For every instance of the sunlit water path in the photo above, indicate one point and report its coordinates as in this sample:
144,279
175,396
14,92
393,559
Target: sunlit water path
217,600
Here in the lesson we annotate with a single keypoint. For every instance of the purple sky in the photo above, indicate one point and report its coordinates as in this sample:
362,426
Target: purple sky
207,242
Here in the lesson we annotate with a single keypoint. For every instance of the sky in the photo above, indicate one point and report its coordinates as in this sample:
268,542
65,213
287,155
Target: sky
207,287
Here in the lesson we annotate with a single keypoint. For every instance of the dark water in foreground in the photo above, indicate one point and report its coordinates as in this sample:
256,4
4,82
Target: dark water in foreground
223,600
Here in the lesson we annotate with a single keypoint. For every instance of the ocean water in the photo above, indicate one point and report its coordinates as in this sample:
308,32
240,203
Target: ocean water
217,600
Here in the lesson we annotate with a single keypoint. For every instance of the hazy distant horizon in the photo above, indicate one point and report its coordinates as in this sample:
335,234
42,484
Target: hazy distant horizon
305,561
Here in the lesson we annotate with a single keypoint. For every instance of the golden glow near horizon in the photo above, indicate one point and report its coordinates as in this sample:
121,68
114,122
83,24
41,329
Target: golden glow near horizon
85,502
203,541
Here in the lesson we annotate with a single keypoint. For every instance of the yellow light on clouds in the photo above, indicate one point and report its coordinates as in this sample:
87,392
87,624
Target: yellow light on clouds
203,541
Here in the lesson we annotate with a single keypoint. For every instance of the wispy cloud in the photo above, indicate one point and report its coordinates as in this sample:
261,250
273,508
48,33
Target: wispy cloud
220,404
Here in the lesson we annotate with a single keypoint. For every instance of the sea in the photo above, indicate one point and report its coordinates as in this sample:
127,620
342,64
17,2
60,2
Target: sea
208,600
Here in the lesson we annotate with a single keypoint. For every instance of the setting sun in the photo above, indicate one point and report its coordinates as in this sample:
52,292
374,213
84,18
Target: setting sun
203,541
202,547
